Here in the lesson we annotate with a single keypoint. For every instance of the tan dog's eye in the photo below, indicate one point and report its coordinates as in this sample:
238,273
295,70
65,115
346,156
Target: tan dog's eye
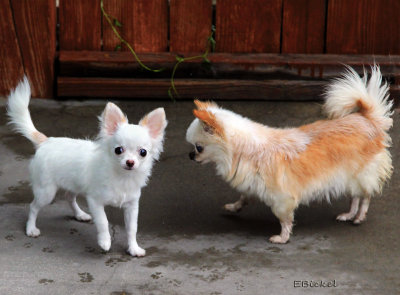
199,148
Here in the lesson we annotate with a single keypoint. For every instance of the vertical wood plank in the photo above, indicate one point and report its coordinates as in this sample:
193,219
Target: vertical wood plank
150,25
122,10
303,26
11,66
363,27
80,25
35,24
190,25
248,26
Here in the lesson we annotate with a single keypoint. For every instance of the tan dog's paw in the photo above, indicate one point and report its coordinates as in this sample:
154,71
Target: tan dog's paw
278,240
344,217
358,220
231,207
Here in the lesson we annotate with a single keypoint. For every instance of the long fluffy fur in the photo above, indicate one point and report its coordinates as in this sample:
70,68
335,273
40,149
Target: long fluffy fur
287,167
18,113
351,93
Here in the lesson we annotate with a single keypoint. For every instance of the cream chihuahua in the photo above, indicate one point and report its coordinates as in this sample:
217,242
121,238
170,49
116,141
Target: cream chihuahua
347,154
109,171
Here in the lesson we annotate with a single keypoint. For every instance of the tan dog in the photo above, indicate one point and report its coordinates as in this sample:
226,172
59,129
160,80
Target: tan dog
287,167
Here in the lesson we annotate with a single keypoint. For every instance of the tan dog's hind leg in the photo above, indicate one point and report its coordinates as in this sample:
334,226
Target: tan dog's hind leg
353,210
362,213
237,206
285,212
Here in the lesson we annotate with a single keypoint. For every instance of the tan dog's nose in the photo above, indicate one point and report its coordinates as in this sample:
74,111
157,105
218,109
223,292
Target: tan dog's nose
192,155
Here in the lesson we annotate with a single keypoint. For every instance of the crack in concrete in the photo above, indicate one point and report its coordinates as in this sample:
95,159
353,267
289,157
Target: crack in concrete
113,232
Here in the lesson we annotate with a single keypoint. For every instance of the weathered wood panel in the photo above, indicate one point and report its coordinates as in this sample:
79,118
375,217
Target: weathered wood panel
80,25
150,25
122,10
303,26
11,65
35,24
189,88
363,27
248,26
190,25
319,66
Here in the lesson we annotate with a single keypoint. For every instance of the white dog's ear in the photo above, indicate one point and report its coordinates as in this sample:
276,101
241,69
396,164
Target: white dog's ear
111,118
155,122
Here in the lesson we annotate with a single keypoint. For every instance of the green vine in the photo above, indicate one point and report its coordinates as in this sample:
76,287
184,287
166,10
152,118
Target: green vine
172,91
210,46
115,24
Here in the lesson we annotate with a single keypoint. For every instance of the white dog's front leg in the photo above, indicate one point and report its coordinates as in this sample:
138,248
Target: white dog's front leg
101,222
131,212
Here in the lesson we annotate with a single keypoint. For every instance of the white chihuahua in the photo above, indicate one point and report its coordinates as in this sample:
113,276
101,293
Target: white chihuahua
109,171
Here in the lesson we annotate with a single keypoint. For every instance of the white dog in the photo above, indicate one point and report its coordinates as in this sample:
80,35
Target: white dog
109,171
286,167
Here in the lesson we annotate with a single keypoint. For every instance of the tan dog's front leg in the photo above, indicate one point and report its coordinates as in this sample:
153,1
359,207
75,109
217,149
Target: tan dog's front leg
362,212
284,210
353,211
237,206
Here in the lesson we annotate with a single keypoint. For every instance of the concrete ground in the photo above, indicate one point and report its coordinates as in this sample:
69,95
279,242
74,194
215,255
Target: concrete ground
193,246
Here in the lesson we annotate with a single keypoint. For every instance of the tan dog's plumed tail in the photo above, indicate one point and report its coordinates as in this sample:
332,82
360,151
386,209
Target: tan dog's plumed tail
370,97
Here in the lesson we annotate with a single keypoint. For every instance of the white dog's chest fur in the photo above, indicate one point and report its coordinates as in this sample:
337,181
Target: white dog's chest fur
118,195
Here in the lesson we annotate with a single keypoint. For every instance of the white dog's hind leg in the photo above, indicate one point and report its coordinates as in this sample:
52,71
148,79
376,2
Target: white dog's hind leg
101,222
362,213
238,205
42,197
355,201
78,212
284,210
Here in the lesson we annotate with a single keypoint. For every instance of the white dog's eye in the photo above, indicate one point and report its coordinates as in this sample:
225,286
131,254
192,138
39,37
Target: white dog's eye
119,150
143,152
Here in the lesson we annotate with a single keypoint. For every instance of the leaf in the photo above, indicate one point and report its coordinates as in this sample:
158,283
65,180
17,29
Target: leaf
206,60
213,43
117,23
179,58
117,47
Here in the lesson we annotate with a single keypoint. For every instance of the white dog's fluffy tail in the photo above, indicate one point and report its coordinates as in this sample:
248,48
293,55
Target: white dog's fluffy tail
351,93
18,112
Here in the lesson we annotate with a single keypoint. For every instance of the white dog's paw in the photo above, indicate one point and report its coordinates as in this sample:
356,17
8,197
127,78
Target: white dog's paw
104,242
278,240
84,217
32,232
136,251
231,208
344,217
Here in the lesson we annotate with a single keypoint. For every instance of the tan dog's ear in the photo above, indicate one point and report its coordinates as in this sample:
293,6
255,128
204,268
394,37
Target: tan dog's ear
204,105
211,124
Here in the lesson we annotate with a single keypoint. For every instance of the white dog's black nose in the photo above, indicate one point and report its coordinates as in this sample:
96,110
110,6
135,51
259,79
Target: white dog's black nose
130,163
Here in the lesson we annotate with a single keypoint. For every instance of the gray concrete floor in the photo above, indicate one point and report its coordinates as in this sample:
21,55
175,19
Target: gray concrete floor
193,246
